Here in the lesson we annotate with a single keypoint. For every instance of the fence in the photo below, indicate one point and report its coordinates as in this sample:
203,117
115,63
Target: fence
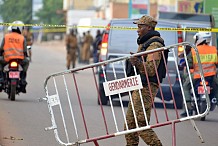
69,95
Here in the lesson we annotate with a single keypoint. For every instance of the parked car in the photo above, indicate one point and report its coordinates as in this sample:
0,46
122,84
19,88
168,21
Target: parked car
190,20
118,43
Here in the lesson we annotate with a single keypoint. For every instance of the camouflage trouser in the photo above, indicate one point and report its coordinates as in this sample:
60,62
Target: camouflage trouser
148,136
215,85
86,52
71,58
187,87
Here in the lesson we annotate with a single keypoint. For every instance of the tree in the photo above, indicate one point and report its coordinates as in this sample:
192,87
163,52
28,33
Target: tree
20,10
49,12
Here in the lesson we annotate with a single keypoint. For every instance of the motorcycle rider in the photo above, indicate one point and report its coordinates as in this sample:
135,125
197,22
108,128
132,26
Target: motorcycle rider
208,57
13,46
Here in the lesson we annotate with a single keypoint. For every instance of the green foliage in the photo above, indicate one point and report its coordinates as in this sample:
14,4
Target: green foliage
11,10
48,14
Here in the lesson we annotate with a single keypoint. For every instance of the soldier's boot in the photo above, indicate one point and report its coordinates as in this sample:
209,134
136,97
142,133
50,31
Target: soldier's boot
23,82
190,110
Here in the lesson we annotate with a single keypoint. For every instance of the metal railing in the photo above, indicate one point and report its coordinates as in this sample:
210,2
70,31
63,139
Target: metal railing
66,92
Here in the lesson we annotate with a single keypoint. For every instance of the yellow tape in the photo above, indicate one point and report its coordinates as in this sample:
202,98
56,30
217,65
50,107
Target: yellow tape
62,28
132,28
42,25
50,30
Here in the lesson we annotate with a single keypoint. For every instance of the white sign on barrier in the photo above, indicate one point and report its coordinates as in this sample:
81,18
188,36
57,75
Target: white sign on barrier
122,85
53,100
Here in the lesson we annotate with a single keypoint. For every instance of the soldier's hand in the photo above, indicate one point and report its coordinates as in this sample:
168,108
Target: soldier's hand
134,60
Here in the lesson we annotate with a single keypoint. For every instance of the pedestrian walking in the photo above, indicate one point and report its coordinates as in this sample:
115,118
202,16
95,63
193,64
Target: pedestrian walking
71,46
86,47
96,47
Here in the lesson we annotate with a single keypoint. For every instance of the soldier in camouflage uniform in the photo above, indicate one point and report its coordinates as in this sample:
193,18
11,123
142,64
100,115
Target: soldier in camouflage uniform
148,39
86,47
71,45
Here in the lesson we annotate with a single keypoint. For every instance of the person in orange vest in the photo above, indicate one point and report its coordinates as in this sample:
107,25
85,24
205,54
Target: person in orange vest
13,46
208,57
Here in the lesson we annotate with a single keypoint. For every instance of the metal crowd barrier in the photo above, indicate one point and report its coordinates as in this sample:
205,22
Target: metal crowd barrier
68,99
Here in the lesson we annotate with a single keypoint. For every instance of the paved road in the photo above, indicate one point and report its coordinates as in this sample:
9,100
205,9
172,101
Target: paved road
22,122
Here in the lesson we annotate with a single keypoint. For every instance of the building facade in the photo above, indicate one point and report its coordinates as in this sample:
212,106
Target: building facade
109,9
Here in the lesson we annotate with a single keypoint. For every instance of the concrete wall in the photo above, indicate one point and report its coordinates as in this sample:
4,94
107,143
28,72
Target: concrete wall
119,10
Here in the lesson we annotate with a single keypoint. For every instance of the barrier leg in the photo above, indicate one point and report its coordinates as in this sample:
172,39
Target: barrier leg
197,130
96,143
173,134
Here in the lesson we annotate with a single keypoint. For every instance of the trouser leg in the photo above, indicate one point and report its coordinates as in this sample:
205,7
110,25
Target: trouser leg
187,94
73,58
1,77
148,136
87,55
68,60
84,52
2,64
186,89
25,64
1,73
132,139
215,85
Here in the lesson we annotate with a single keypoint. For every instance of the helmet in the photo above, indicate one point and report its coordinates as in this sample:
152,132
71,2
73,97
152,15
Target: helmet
19,27
201,37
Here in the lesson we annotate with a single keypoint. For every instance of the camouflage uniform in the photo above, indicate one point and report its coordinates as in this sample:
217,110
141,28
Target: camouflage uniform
187,84
86,47
148,136
71,42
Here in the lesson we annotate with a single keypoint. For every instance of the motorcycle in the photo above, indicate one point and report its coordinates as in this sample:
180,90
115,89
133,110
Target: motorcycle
11,74
201,97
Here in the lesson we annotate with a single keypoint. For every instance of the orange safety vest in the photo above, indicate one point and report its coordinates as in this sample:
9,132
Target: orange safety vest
13,46
208,57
